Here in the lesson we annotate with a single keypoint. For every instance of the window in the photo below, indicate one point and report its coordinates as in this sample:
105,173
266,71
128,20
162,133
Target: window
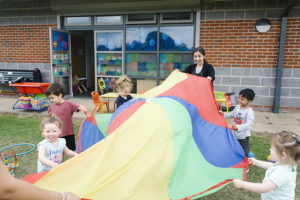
108,20
141,65
108,55
176,17
74,21
176,38
141,39
109,64
141,18
109,41
169,62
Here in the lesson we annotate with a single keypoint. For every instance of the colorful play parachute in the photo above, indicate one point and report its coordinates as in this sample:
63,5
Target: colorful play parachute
92,130
170,144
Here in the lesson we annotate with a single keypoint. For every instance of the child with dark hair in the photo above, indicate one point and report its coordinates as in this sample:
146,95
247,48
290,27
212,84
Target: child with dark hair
280,177
64,111
244,118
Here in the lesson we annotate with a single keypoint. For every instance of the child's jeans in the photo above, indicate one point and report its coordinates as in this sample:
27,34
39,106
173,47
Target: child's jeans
245,143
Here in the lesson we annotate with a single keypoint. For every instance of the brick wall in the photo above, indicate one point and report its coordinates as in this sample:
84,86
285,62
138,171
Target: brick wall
245,58
236,43
25,44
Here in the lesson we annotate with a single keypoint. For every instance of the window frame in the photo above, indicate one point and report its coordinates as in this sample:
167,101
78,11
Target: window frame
108,23
154,21
79,24
162,21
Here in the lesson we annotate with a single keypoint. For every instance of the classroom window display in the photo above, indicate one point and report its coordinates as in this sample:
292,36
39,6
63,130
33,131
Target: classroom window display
149,51
60,62
169,62
109,64
141,65
60,53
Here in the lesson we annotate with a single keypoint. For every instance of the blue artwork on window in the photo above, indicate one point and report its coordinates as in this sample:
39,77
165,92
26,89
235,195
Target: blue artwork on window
170,61
176,38
141,65
141,39
109,41
60,40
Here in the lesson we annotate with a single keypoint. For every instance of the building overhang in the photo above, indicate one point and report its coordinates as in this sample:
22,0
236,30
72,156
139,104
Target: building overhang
66,7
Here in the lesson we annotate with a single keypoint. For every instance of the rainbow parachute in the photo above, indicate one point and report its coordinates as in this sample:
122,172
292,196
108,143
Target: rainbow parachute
170,144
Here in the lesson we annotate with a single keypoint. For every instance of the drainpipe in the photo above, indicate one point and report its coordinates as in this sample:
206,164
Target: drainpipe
289,7
279,66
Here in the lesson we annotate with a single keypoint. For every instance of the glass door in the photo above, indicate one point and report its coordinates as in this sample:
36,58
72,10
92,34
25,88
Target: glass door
61,66
108,59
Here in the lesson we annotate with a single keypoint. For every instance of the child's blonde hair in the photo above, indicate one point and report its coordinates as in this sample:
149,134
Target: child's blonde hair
287,142
124,82
51,119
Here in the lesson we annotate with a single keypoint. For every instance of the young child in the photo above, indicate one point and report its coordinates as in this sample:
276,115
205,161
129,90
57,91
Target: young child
244,118
280,178
124,85
52,147
64,111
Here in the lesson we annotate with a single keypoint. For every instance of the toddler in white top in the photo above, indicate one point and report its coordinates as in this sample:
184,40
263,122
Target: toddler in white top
51,149
280,178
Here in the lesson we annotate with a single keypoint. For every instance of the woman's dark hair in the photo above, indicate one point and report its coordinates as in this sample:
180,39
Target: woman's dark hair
201,50
56,89
248,94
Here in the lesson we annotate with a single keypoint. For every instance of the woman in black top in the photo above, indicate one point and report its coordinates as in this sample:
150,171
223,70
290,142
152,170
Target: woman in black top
201,67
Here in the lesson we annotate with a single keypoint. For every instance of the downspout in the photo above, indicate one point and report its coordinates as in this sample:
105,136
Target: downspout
290,5
280,66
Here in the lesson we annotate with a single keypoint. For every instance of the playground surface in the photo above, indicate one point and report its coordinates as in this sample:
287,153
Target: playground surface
265,122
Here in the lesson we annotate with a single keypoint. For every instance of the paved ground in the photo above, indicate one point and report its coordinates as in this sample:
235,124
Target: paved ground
265,122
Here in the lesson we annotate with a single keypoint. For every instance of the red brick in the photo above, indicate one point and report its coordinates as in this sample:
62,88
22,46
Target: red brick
27,43
239,37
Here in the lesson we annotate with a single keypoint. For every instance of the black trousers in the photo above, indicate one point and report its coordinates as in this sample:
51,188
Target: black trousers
245,143
70,140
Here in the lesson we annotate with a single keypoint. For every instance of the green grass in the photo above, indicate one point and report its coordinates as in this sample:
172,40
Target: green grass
15,129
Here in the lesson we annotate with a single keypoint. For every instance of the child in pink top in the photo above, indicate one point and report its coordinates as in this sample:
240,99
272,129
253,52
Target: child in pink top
64,110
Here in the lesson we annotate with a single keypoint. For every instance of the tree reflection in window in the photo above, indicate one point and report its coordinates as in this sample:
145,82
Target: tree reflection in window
141,39
109,41
176,38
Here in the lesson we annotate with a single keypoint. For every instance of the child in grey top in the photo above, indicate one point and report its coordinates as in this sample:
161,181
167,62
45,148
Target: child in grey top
244,118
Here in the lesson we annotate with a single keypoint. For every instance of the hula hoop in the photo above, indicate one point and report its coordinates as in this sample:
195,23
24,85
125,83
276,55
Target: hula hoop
23,144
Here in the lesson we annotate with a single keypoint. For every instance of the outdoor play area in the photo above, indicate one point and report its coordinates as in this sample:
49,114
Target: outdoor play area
16,129
186,138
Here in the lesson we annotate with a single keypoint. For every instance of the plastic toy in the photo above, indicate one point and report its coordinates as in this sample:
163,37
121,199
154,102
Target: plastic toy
32,89
270,159
251,154
10,157
107,83
25,102
113,84
101,83
10,161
